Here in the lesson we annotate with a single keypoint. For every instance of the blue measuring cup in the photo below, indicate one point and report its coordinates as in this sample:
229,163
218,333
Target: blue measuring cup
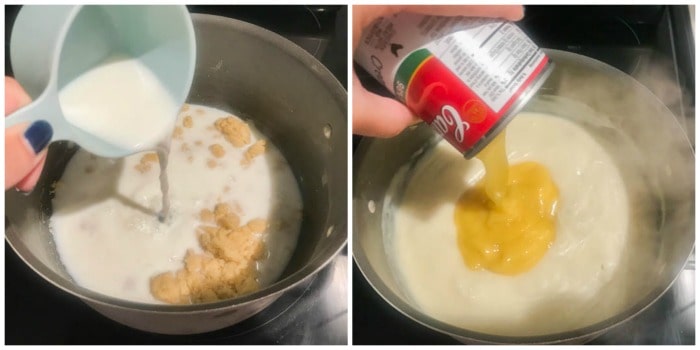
52,45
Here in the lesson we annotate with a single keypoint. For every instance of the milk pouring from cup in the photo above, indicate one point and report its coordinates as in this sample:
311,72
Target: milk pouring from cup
466,77
110,78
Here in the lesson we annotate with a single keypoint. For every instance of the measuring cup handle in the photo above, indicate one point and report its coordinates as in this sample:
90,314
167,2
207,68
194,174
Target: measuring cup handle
47,108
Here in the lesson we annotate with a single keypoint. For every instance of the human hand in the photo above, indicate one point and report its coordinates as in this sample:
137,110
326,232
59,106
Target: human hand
25,145
379,116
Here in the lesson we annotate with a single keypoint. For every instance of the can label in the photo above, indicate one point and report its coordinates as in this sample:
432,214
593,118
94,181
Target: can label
461,75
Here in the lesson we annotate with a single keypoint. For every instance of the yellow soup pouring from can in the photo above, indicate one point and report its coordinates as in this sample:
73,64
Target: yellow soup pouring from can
507,222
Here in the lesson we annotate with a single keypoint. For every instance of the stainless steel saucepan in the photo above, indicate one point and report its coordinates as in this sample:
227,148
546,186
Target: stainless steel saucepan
293,100
643,137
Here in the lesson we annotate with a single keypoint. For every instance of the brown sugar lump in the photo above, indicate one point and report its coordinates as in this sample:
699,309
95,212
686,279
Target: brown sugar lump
253,151
177,133
226,268
234,130
205,278
206,215
187,121
221,210
217,150
211,279
225,218
146,161
171,287
237,245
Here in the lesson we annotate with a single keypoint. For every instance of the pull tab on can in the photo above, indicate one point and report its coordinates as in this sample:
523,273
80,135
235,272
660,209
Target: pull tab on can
466,77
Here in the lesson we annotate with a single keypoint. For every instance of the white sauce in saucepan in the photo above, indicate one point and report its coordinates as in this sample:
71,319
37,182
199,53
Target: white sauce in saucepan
561,292
104,213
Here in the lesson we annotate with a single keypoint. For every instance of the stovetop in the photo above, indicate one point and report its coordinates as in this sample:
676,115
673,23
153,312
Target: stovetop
634,39
312,313
36,313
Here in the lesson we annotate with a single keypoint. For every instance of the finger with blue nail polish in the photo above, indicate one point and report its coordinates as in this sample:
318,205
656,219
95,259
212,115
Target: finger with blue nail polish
25,148
38,135
25,145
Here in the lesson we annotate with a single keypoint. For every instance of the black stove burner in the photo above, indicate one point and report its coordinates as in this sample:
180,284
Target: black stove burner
314,312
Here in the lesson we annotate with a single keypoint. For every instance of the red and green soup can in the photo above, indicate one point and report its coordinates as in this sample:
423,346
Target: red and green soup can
465,77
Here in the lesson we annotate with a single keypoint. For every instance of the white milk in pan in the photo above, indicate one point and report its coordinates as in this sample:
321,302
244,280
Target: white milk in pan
105,210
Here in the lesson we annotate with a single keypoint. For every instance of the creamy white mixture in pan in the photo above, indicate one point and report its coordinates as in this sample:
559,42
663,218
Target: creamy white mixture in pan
560,292
105,210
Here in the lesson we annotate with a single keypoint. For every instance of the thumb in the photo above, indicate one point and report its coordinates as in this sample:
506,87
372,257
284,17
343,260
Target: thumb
377,116
23,149
15,96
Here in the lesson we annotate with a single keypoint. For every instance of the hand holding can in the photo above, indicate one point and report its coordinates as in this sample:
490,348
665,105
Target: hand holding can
378,116
466,77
